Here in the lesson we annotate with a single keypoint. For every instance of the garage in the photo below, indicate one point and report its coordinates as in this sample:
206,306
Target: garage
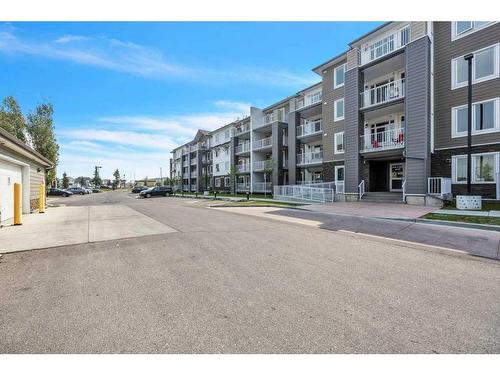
9,174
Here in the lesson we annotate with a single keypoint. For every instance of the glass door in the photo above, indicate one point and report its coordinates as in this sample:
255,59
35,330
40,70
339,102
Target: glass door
396,175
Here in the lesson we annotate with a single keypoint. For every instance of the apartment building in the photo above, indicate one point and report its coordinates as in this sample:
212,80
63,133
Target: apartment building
388,115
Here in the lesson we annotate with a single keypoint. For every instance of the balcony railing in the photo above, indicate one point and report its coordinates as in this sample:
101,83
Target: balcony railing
261,143
285,163
262,165
383,94
386,45
193,188
262,186
193,148
241,129
185,163
386,140
185,175
194,174
241,186
308,158
243,168
309,100
241,148
309,128
193,161
185,187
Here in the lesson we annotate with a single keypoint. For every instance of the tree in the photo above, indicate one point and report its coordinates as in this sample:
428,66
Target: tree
40,129
116,175
12,119
268,171
65,181
233,176
96,180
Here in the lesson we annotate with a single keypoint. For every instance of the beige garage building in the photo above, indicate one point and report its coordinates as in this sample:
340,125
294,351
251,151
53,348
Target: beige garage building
19,163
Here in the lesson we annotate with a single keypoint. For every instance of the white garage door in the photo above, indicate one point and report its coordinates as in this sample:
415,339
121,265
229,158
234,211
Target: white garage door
9,174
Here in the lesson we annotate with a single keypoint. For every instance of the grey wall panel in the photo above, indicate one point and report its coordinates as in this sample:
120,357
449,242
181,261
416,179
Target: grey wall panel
293,120
277,151
351,136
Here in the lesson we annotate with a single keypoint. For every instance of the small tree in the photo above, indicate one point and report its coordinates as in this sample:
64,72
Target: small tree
96,180
65,181
233,176
268,172
12,119
116,175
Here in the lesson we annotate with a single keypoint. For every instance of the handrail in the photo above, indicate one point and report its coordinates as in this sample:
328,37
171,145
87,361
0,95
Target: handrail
384,93
361,189
404,190
386,140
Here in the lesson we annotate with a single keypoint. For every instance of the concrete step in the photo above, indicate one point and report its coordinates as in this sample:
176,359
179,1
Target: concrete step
383,197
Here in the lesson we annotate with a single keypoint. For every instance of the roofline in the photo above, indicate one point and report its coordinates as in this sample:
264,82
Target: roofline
330,61
370,32
17,142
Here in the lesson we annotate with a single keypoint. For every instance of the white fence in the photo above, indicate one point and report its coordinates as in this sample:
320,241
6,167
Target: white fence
303,193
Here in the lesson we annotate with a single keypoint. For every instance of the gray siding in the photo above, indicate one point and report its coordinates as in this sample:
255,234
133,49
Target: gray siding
352,124
417,115
445,98
293,120
277,150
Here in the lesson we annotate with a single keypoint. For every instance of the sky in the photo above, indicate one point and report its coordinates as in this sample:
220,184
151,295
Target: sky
126,93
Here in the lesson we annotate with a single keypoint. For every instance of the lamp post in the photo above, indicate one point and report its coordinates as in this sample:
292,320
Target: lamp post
469,58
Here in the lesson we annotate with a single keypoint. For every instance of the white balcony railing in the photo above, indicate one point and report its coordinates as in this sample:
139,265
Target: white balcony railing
193,188
185,187
185,175
194,148
440,186
262,186
193,161
261,143
382,94
243,168
194,174
309,128
241,148
309,99
241,186
308,158
262,165
241,129
185,163
303,193
285,163
387,140
386,45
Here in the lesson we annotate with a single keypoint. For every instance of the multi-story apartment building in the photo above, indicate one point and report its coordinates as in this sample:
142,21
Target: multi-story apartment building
388,115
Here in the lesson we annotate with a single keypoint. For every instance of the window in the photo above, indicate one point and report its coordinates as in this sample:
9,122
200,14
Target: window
339,173
339,143
485,118
217,138
483,168
460,29
227,134
216,153
217,182
226,182
485,66
226,165
338,110
217,167
281,115
338,77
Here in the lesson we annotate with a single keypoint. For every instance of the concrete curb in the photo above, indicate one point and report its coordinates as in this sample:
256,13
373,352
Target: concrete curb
457,224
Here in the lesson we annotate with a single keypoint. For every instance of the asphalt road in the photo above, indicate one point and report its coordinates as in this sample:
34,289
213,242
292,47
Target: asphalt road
228,283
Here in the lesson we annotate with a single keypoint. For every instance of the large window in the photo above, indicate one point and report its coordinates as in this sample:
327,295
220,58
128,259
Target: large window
484,168
460,29
485,67
485,118
339,143
339,76
217,182
338,110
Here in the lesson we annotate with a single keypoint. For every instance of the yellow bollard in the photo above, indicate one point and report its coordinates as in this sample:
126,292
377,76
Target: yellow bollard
41,199
18,204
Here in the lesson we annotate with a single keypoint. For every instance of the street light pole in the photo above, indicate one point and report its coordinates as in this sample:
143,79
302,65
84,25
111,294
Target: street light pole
469,58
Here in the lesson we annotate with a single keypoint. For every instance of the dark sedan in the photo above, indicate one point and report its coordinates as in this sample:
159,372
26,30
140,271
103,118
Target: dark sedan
157,191
54,192
138,189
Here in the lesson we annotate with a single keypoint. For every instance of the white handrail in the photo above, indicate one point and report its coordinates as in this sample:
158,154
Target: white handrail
386,140
361,189
404,190
303,193
308,128
310,157
260,143
384,93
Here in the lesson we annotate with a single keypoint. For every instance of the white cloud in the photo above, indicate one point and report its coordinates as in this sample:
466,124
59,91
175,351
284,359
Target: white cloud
69,39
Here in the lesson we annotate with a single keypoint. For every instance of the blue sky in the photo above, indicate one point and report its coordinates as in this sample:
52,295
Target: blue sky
125,94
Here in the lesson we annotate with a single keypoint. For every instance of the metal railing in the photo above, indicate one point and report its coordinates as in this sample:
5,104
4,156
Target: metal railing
262,165
241,186
261,143
383,94
310,158
241,129
309,128
404,190
262,186
440,186
285,163
301,193
386,45
309,100
243,168
185,175
241,148
185,187
339,187
193,188
386,140
194,174
361,189
193,161
193,148
185,163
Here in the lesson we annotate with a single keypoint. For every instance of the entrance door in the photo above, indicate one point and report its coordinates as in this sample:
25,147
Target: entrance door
378,176
396,176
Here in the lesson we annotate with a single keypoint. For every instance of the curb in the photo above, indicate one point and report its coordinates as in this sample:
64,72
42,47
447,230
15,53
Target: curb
495,228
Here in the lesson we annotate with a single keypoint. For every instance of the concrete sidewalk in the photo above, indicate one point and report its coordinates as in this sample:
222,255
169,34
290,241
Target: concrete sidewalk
61,226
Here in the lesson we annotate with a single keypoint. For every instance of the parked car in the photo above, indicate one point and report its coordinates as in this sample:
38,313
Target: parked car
88,191
138,189
77,190
96,190
54,192
156,191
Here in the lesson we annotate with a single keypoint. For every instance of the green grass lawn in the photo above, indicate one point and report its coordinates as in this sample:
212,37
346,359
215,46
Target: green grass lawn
252,203
464,219
239,195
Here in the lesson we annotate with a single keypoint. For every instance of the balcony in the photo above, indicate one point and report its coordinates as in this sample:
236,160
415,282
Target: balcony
242,148
386,140
185,187
193,188
194,148
241,186
193,161
385,45
194,174
285,163
262,186
310,158
185,163
309,100
309,128
243,168
259,166
262,143
241,129
383,94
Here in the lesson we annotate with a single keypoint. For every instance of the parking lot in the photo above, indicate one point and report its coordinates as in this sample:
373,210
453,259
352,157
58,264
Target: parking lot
222,282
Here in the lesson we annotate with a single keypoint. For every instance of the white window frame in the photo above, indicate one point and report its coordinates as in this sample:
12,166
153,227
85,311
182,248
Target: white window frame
496,128
455,36
335,84
227,182
217,182
335,117
335,143
337,167
496,66
473,175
